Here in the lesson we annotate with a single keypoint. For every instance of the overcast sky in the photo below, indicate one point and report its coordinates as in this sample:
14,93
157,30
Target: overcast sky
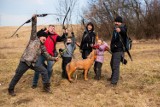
16,12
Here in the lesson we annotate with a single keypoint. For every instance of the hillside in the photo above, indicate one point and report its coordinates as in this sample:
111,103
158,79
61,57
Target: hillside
139,84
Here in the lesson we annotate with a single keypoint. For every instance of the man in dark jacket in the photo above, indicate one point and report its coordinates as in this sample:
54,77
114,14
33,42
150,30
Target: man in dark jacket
118,38
88,40
28,60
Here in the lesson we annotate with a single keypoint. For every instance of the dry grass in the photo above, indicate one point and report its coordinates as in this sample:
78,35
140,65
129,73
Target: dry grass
139,85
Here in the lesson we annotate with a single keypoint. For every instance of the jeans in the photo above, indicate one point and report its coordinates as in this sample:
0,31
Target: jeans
115,66
40,62
22,68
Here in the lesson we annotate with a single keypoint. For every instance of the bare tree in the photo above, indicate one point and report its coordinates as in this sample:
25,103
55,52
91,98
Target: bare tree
63,7
142,17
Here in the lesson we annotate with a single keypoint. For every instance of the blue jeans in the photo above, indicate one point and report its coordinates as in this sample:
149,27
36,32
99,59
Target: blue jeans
40,62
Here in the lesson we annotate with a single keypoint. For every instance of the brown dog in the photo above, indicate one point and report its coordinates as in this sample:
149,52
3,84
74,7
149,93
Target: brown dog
84,64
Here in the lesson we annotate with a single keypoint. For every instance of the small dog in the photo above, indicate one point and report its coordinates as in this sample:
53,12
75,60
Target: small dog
84,64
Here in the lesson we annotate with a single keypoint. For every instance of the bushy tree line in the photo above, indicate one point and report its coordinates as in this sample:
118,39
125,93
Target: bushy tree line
142,17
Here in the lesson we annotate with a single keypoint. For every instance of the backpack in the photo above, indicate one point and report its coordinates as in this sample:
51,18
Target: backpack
128,43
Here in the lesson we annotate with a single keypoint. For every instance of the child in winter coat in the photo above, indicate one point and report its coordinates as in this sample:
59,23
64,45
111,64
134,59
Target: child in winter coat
67,54
100,47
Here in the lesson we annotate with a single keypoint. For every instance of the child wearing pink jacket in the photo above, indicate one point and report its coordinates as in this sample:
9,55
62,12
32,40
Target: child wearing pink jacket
100,47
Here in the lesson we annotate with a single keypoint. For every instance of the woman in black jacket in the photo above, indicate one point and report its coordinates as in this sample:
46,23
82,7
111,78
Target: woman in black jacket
88,40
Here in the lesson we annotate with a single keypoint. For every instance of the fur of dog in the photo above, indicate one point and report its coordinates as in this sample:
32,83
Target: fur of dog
84,64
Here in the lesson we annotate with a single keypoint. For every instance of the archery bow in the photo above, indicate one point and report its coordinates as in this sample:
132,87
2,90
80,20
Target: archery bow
86,30
108,12
28,21
63,27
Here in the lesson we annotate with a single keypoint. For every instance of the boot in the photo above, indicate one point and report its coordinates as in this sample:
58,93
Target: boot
46,87
11,92
34,86
96,76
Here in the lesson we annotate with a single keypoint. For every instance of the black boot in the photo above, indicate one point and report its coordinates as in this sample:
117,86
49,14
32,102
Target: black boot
11,92
46,87
96,76
34,86
99,74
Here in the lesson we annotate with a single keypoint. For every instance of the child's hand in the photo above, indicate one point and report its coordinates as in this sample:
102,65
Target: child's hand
65,30
56,58
95,46
106,48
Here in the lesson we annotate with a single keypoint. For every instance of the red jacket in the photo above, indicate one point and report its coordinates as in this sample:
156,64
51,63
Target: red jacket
50,45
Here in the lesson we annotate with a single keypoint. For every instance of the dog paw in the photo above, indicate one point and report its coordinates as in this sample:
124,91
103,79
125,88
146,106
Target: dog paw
70,80
86,79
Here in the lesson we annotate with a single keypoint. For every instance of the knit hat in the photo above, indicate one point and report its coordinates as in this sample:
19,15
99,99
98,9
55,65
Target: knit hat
41,33
118,19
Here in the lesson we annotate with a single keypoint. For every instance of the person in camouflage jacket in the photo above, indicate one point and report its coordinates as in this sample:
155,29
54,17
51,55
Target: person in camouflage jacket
28,60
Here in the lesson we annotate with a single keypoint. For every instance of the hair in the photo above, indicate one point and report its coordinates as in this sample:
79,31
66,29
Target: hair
100,39
69,38
41,33
118,19
51,25
90,23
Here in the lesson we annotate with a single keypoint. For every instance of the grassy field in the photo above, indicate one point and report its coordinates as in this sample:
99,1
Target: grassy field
139,84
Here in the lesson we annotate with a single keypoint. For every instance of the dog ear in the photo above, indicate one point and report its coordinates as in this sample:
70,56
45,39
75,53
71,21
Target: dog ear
90,55
94,52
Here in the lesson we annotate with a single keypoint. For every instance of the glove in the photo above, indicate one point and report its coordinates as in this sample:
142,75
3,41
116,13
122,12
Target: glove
106,49
61,50
95,46
124,61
